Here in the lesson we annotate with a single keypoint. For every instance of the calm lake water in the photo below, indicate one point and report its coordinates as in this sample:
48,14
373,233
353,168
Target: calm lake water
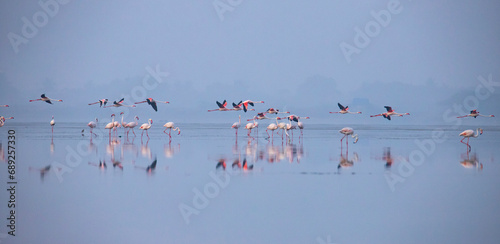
395,185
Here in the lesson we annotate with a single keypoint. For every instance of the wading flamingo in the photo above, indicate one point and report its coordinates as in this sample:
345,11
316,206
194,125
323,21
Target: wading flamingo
45,99
271,127
146,127
170,125
390,112
344,110
236,125
152,102
468,134
132,124
474,114
110,125
92,125
101,102
348,131
249,127
52,123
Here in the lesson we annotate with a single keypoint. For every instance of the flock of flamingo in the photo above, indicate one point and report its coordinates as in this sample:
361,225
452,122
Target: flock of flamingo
242,105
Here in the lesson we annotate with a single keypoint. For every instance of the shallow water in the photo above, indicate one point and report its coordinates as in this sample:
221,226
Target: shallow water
395,185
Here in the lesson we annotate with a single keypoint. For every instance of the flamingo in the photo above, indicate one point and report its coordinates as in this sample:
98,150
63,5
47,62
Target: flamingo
348,131
474,114
131,125
275,111
271,127
222,107
101,102
238,107
2,120
170,125
52,123
259,116
281,126
390,112
344,110
236,125
45,99
146,127
301,127
468,134
294,118
152,102
119,104
247,102
110,125
4,106
288,127
249,127
92,125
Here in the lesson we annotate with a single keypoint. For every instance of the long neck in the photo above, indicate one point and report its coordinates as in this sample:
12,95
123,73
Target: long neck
477,133
239,119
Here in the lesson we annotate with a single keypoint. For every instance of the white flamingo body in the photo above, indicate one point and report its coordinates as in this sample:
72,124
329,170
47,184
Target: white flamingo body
468,134
52,123
272,127
249,102
132,125
92,125
110,125
146,127
236,125
348,131
171,125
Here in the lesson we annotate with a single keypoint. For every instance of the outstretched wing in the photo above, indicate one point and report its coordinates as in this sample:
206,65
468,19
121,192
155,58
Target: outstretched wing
48,101
153,104
220,104
43,96
121,100
389,109
340,106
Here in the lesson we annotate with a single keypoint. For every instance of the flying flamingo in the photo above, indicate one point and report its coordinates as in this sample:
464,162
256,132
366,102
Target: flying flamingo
239,107
119,104
52,123
92,125
146,127
348,131
110,125
2,120
474,114
390,112
468,134
101,102
236,125
294,118
259,116
45,99
152,102
222,107
275,111
170,125
131,125
4,106
247,102
344,110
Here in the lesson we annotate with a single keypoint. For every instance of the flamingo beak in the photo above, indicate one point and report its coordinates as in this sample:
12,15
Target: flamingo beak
480,131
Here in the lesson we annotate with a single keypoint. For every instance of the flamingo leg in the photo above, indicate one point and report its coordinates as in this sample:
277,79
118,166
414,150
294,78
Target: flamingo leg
147,134
170,133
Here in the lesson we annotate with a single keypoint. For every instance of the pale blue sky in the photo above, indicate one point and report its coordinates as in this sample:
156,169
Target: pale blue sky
426,59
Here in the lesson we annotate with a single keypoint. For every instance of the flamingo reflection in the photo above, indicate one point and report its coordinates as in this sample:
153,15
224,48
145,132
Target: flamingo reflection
150,168
471,162
43,170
